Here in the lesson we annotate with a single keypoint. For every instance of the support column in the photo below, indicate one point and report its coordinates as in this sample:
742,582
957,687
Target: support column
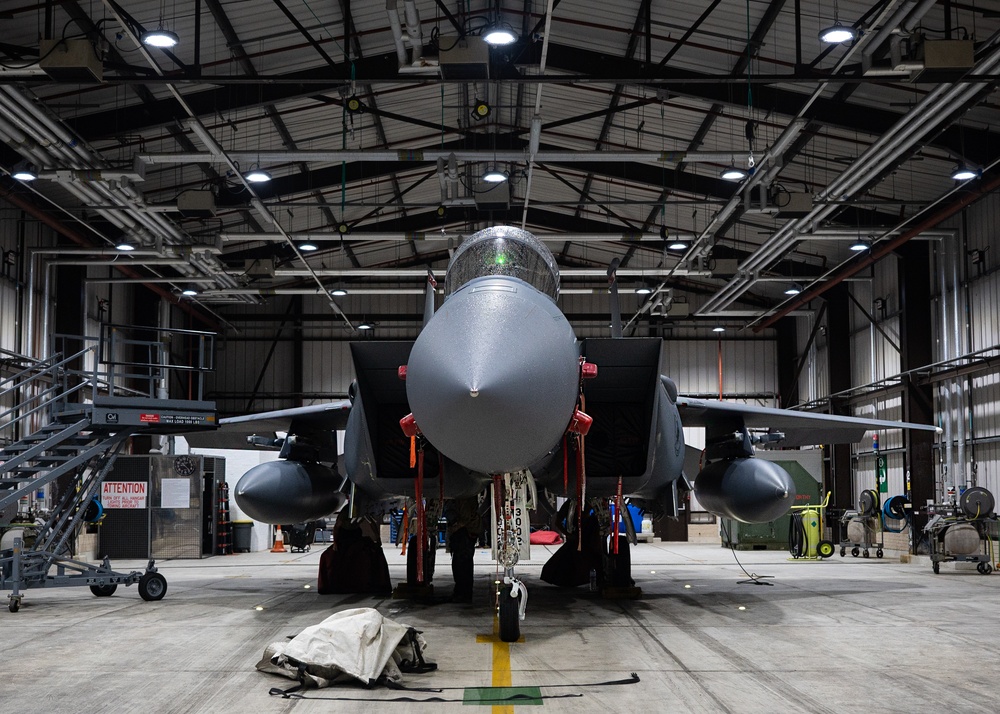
838,340
916,350
788,372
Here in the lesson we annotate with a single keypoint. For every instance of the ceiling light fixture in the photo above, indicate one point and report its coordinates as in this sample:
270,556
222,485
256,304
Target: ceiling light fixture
961,173
338,292
733,173
678,245
720,328
643,290
189,292
366,326
499,35
24,172
838,32
495,176
860,245
164,39
308,247
125,246
257,176
793,289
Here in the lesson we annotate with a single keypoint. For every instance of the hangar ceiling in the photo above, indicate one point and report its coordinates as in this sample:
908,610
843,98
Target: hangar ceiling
612,123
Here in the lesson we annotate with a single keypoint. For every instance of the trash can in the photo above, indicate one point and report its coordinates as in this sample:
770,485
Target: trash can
242,531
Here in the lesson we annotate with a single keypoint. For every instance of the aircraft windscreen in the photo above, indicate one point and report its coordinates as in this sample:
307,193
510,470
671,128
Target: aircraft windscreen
504,250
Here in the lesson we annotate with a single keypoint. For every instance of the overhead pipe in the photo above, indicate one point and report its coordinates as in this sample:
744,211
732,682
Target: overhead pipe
947,407
45,131
79,239
468,155
534,138
442,178
880,251
883,33
445,236
453,175
958,394
422,272
877,157
413,30
392,10
700,248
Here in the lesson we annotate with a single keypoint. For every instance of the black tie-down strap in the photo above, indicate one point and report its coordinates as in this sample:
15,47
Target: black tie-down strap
416,663
507,699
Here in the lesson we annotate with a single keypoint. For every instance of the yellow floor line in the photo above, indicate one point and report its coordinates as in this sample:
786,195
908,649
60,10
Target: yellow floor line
501,663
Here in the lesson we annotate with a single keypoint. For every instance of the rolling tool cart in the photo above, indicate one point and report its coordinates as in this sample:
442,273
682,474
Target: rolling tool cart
863,527
963,532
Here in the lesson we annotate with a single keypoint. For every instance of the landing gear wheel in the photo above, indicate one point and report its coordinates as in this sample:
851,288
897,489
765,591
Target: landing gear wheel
152,587
104,590
14,604
866,553
855,552
879,553
937,567
843,551
825,549
510,616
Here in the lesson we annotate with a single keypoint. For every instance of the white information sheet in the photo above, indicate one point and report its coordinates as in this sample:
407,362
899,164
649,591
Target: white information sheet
175,493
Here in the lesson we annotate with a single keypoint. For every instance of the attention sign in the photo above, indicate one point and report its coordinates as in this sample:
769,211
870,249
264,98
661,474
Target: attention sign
124,494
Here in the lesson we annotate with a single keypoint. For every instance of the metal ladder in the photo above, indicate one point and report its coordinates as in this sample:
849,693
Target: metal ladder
79,443
63,445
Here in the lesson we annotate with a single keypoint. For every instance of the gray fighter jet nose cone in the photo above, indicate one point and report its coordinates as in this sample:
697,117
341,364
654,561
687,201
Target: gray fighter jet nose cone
493,379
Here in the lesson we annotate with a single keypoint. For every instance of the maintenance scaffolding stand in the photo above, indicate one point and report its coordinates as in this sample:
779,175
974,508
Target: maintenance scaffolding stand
74,413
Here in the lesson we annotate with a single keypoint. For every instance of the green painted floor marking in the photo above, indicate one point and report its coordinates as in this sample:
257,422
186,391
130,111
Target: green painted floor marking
489,696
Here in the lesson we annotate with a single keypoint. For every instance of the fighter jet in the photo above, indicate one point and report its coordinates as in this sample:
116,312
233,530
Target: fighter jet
497,390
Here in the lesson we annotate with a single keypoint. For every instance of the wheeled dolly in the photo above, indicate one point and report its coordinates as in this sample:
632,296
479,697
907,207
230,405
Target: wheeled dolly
20,570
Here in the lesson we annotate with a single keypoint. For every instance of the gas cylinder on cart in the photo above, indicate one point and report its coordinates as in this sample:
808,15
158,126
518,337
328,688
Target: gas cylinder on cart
961,539
810,524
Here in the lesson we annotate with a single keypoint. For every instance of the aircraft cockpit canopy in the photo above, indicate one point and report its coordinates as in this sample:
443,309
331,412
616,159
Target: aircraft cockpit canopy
504,250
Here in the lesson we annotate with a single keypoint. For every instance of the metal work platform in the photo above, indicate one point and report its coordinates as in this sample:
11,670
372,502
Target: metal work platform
73,413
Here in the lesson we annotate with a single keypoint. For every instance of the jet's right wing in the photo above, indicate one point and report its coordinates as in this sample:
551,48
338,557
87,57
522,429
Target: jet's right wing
799,428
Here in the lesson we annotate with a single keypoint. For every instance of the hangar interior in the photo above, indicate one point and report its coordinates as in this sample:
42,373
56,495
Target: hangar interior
786,214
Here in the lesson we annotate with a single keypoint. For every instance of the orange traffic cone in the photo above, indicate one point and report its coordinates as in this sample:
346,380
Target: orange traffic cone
279,541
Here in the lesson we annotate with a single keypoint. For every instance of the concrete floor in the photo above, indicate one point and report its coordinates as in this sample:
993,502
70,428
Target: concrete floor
836,636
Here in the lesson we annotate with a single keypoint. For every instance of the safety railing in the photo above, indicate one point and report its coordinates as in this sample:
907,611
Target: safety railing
124,360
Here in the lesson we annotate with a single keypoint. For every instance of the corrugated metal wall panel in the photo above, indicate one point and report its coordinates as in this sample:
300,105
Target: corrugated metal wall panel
239,364
327,372
9,321
749,367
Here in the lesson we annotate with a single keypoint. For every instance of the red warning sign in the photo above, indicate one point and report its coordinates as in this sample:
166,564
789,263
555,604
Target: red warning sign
149,418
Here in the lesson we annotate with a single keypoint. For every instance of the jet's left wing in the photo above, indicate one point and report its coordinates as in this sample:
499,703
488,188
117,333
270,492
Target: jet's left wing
316,422
799,428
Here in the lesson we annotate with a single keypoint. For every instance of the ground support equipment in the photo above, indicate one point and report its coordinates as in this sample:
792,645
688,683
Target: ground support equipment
23,570
87,417
975,508
867,520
